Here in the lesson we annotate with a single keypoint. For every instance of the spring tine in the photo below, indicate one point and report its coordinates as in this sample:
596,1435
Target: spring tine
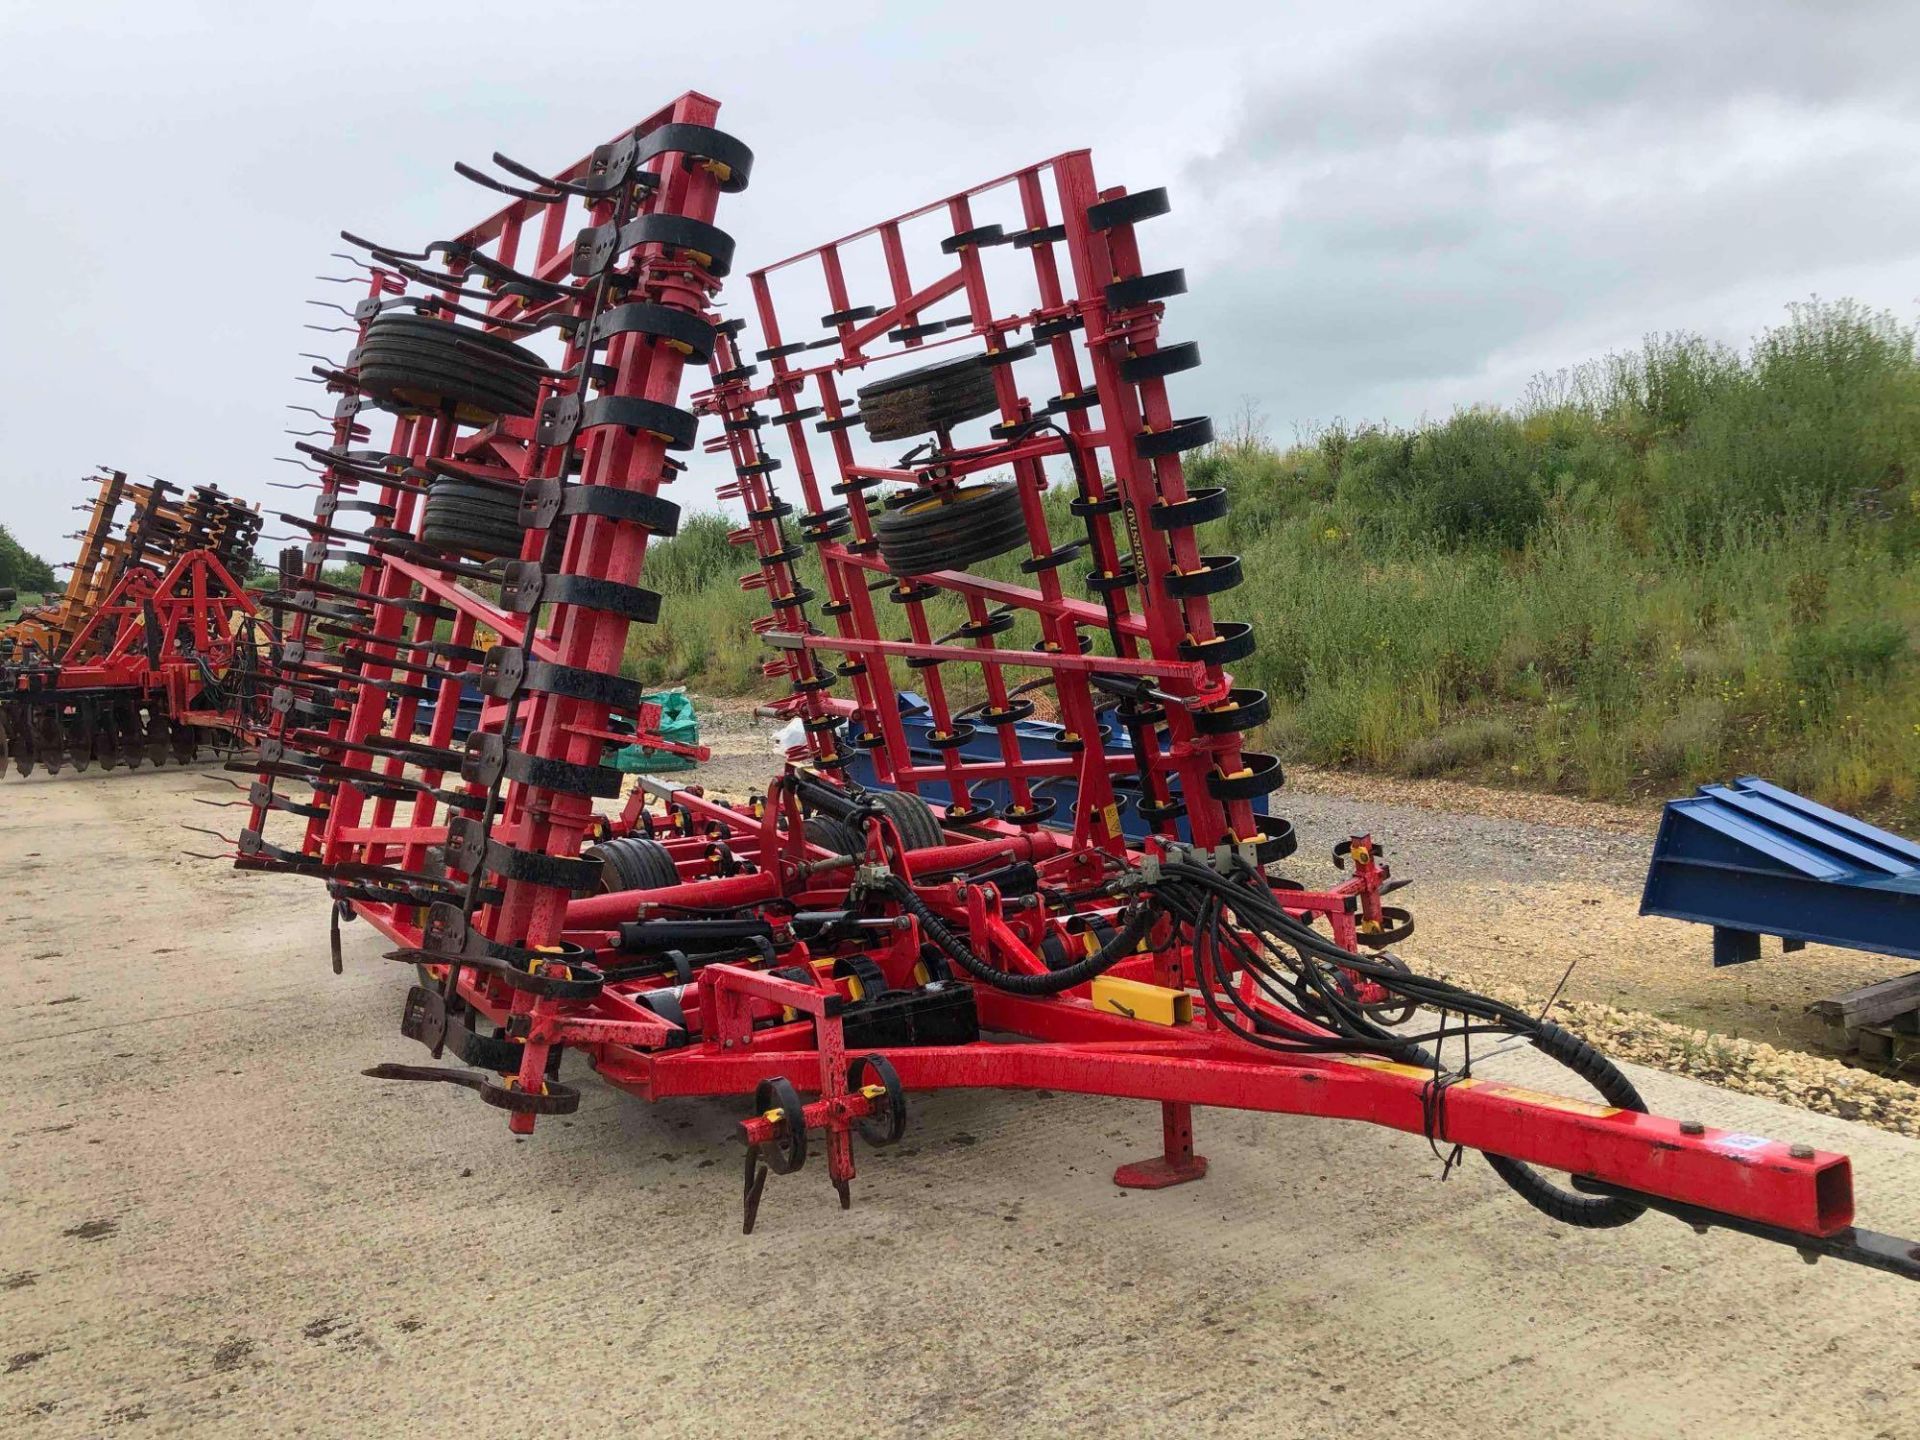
534,197
499,270
334,329
202,830
329,305
282,485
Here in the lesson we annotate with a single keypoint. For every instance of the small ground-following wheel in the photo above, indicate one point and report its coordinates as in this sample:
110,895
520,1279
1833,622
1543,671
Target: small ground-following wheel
912,817
778,1103
633,862
481,522
888,1122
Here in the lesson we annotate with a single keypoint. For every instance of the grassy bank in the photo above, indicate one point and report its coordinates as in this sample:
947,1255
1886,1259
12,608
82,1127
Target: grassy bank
1662,567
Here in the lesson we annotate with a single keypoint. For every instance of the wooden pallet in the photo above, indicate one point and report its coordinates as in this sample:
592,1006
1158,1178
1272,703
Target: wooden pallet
1881,1022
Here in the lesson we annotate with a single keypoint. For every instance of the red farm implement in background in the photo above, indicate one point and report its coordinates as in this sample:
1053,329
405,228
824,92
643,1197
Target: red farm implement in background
150,653
1092,907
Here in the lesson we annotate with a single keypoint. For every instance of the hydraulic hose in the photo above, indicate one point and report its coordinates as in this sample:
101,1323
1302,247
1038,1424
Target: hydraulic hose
1054,982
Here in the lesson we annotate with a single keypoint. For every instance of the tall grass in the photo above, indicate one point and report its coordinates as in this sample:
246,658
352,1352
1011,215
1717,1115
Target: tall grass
1659,568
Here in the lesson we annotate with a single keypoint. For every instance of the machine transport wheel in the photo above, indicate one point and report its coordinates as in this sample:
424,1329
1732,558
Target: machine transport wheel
912,817
933,397
633,862
478,521
414,364
834,835
952,529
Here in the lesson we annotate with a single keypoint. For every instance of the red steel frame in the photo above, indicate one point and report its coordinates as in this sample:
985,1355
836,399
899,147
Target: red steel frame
727,1026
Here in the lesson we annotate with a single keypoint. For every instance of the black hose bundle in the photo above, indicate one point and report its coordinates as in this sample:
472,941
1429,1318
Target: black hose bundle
1054,982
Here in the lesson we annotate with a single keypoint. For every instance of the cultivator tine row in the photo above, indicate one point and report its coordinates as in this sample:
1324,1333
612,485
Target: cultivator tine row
1067,843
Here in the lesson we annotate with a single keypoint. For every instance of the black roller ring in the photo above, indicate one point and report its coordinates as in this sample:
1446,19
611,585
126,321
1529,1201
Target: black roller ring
780,352
952,739
1243,710
1070,744
1158,813
1167,360
844,422
1104,505
1056,327
854,486
923,662
682,329
916,332
794,417
1200,506
832,760
725,158
752,421
848,317
991,626
979,235
972,814
867,740
816,685
820,724
785,555
1217,573
900,499
1008,355
912,594
1181,435
1080,400
758,467
815,518
1277,841
1065,555
826,530
799,595
1016,711
1262,776
1129,209
1037,813
1122,579
1232,640
1146,289
837,607
777,510
852,669
738,372
708,244
1038,235
868,546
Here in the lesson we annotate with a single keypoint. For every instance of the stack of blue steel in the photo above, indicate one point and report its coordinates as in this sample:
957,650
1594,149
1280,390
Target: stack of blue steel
1038,741
1751,859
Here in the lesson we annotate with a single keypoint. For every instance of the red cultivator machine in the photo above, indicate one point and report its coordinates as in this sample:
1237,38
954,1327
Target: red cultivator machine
1095,906
149,654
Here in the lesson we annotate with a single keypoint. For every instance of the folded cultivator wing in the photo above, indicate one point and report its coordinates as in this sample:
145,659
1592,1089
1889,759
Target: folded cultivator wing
151,651
1058,873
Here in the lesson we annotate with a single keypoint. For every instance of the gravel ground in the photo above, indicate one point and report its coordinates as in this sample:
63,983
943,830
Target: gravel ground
211,1225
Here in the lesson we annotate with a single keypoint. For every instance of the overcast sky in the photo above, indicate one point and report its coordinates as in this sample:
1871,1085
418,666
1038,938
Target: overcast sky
1384,211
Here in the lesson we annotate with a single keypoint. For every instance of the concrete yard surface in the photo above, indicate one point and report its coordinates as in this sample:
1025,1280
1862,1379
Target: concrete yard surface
211,1223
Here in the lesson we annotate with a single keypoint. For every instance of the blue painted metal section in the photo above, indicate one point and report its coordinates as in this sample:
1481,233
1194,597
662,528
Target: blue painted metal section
1752,859
1036,738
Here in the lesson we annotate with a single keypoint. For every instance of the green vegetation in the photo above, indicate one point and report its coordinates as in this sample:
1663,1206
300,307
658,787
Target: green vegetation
22,570
1663,567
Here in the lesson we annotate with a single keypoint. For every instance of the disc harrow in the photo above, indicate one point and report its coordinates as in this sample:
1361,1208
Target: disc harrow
1096,904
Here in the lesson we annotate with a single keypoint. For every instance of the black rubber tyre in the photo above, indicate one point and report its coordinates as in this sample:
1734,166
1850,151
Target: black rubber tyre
412,364
912,817
934,397
477,521
952,529
834,835
633,862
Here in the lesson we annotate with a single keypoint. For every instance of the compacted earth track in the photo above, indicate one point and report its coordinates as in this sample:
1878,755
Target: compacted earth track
210,1223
